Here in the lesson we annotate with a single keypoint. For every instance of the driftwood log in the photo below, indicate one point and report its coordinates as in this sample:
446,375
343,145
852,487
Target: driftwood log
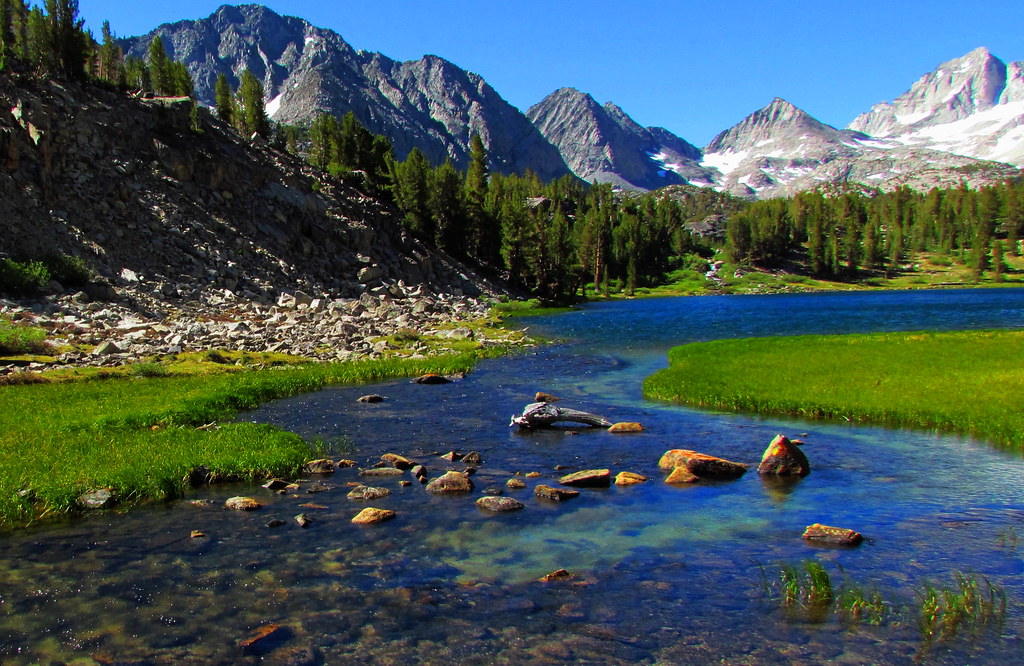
540,414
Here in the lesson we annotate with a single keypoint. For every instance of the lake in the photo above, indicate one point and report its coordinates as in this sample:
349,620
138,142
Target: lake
663,574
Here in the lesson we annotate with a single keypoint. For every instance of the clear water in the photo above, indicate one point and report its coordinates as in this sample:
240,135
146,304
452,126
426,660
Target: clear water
664,574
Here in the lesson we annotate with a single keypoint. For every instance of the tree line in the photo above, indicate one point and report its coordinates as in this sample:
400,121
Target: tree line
843,235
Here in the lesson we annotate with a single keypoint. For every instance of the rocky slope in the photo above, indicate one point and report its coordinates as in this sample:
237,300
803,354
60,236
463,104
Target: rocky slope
972,105
180,227
781,150
603,144
305,70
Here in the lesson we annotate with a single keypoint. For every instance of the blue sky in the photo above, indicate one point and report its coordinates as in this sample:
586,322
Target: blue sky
695,68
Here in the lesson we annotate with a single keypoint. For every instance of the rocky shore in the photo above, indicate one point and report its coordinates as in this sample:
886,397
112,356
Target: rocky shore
103,333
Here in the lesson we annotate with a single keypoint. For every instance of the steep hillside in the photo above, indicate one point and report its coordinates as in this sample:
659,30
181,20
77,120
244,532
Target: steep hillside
127,185
429,103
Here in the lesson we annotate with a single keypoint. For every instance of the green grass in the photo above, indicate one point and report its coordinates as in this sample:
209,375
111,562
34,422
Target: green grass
966,382
141,436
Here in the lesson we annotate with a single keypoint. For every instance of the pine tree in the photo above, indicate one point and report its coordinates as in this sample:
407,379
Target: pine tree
224,99
998,265
40,41
159,75
482,245
444,200
111,68
67,38
6,33
252,107
411,193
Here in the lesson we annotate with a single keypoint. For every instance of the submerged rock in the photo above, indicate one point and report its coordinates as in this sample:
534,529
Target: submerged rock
450,483
431,379
304,520
556,494
322,466
500,504
832,535
368,493
560,574
588,478
371,516
261,635
381,472
372,398
397,461
784,458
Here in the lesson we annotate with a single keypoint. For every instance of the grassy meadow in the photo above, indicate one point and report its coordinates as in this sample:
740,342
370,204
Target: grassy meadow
142,435
967,382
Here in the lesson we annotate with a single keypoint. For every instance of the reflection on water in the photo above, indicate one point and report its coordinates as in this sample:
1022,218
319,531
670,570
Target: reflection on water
664,574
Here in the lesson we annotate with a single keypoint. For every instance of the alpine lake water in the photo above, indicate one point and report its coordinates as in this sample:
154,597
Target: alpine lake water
663,574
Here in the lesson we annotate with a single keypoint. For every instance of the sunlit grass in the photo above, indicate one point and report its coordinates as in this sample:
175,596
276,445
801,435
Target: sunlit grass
966,382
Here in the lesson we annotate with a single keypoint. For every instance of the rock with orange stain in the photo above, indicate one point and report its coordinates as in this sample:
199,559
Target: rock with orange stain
372,516
784,458
626,426
629,478
702,465
681,475
838,536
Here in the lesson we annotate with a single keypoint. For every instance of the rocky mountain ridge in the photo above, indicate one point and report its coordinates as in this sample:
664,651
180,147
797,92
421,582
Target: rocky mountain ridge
780,150
181,227
962,123
429,103
972,105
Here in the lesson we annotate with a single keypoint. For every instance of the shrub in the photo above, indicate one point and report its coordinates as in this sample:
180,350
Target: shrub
68,270
23,278
18,339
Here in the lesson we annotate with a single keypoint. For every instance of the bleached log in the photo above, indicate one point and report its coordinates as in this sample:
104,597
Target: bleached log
540,414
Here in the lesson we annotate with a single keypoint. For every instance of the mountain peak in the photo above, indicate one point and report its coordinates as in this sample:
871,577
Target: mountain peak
964,96
601,143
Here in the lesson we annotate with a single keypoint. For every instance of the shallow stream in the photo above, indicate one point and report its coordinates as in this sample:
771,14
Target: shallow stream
664,574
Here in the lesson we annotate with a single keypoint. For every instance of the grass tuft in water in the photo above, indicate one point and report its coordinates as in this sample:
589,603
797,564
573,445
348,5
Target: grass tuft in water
971,606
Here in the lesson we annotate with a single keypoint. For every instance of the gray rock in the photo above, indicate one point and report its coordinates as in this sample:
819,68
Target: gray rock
500,504
450,483
101,498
